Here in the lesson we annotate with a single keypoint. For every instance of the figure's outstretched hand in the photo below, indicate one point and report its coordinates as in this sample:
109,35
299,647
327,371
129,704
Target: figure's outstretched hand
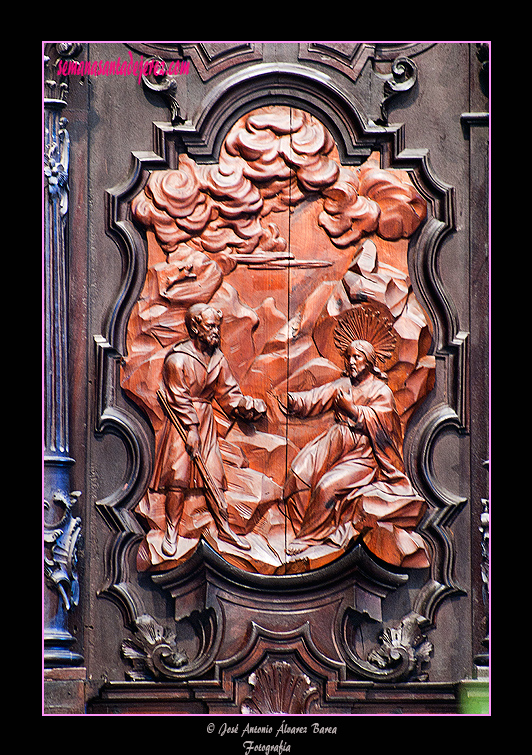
251,409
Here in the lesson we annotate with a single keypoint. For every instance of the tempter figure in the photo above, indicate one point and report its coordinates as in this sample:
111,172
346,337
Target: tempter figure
195,373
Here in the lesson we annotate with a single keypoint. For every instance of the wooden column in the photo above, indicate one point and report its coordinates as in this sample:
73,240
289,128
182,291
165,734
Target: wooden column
61,527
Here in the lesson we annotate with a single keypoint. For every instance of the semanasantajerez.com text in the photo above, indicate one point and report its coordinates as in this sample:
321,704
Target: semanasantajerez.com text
138,68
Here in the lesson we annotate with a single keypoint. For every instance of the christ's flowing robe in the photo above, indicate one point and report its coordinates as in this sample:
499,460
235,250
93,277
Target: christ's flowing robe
350,480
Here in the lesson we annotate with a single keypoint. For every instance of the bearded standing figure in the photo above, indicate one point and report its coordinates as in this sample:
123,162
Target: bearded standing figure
195,373
350,480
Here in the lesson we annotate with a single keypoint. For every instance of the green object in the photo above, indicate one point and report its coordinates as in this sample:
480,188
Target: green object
474,697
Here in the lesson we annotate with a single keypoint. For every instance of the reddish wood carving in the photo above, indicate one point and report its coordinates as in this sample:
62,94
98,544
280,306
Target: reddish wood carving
285,242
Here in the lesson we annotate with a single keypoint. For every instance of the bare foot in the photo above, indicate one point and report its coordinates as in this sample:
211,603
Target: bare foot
295,547
169,548
231,537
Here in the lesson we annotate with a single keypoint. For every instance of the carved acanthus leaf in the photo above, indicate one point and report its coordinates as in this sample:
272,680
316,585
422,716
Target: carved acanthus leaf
62,539
404,645
152,646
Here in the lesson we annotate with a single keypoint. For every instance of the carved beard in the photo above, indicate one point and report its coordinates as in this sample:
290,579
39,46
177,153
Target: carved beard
211,341
355,374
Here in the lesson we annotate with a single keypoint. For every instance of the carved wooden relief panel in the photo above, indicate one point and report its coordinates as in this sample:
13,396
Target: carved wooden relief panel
278,362
298,450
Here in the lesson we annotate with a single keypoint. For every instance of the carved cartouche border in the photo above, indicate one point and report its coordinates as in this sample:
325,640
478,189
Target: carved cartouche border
300,87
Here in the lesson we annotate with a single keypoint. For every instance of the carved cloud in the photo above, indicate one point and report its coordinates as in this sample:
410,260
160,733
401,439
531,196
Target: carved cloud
272,159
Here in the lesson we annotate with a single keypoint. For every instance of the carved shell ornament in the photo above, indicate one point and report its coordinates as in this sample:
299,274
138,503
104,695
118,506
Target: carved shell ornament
277,688
363,323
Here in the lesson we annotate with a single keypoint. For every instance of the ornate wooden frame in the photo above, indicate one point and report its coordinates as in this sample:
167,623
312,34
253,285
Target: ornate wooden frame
356,138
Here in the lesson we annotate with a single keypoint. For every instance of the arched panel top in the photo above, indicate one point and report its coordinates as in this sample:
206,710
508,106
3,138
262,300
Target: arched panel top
305,88
283,84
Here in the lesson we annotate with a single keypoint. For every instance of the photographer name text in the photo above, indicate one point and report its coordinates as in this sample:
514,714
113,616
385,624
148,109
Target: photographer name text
251,746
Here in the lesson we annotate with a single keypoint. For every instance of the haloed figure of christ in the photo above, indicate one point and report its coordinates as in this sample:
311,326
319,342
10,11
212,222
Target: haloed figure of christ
195,373
350,480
